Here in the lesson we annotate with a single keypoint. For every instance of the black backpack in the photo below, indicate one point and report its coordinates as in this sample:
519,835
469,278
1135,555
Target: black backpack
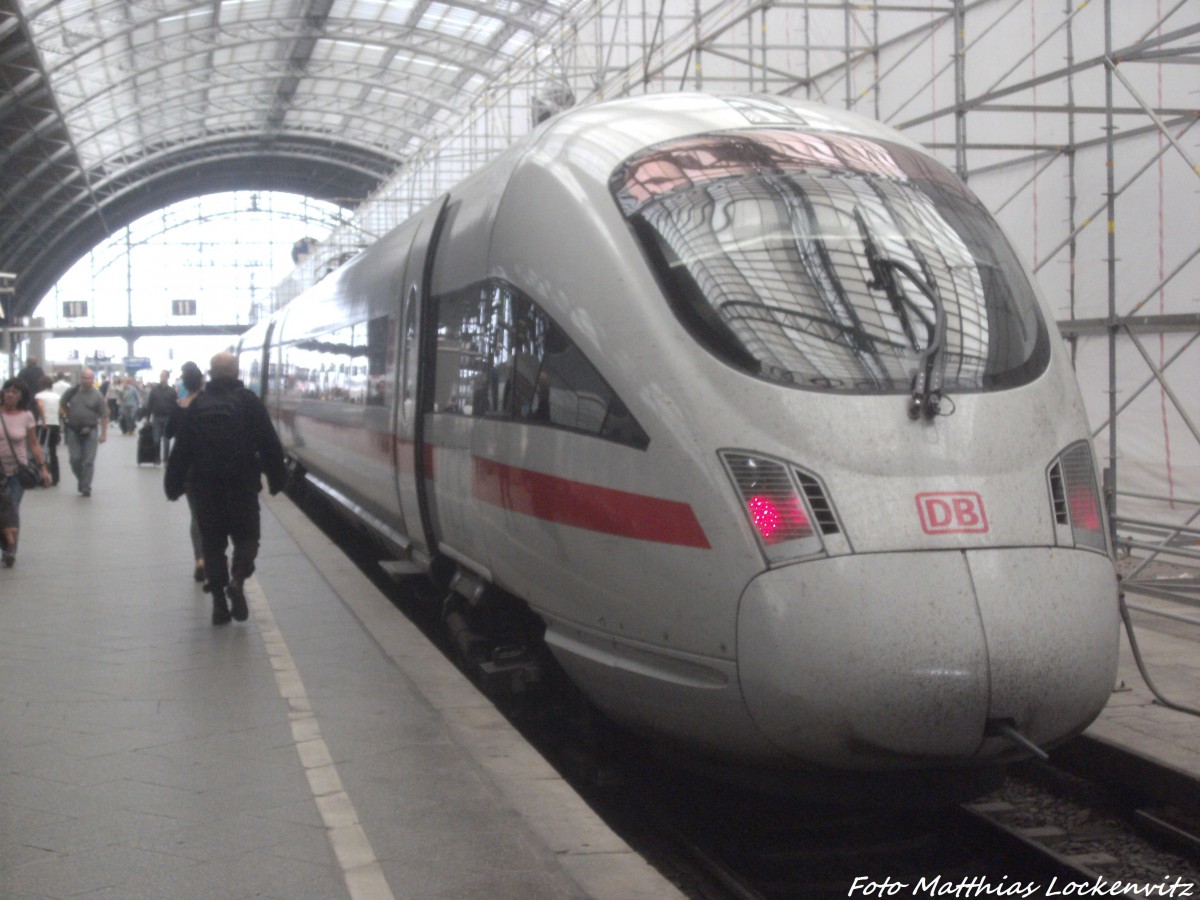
218,436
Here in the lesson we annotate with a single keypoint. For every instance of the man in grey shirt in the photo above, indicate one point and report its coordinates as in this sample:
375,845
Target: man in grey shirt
85,416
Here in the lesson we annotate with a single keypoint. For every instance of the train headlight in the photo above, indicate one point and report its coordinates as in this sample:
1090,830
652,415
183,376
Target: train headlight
1076,501
786,507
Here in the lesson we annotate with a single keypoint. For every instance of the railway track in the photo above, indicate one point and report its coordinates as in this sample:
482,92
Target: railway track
1104,816
1048,832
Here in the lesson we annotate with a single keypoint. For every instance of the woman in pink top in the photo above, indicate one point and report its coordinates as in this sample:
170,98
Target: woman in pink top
18,443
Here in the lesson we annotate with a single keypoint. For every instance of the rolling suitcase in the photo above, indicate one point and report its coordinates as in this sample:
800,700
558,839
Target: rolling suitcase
147,453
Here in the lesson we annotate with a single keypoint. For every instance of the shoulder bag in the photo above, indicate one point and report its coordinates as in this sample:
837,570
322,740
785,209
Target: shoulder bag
27,472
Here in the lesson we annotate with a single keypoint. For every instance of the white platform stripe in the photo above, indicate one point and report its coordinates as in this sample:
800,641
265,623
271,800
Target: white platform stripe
360,869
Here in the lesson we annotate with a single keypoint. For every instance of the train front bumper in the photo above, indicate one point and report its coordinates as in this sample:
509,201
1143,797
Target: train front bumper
909,659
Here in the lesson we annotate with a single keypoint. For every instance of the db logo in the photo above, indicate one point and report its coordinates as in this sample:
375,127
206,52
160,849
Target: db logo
952,513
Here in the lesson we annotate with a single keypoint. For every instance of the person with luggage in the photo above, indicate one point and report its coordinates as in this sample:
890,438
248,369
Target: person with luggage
147,450
192,380
159,406
224,445
85,417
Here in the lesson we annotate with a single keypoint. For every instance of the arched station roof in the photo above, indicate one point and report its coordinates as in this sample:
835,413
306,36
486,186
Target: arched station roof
111,109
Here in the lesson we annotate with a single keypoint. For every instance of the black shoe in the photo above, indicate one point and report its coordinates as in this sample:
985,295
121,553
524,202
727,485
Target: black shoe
10,557
237,600
220,615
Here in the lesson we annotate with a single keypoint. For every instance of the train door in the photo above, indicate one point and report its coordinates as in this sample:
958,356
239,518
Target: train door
264,389
403,406
414,456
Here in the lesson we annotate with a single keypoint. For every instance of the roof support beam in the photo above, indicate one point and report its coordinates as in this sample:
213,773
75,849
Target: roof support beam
315,17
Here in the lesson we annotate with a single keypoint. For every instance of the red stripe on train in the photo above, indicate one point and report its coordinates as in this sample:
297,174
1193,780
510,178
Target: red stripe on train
587,506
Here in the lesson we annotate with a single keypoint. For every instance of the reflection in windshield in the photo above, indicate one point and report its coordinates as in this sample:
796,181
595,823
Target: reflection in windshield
832,262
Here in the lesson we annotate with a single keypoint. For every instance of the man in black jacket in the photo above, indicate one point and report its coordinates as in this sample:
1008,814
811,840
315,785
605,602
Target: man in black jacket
224,444
160,404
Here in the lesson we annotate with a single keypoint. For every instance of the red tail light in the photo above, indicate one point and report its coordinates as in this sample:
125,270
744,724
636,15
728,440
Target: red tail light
1085,513
777,520
1075,499
774,505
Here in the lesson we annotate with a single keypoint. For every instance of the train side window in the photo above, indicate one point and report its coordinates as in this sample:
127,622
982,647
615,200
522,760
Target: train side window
461,349
301,365
570,391
408,387
253,382
377,361
500,355
347,365
493,389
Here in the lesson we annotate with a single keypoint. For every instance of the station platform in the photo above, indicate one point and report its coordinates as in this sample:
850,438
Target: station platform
1134,720
321,750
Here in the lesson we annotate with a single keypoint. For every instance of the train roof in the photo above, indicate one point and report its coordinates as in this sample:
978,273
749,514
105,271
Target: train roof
600,136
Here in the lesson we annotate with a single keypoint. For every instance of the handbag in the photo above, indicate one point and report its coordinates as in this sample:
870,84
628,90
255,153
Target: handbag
27,472
29,475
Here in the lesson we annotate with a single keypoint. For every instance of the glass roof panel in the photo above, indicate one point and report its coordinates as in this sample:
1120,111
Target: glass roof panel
516,44
424,65
183,22
385,12
351,51
455,21
252,10
240,93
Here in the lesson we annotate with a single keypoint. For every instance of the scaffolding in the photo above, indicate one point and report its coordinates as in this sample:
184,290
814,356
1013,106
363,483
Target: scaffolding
1073,120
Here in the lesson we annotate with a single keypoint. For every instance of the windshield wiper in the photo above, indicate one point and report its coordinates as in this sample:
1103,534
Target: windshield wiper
927,383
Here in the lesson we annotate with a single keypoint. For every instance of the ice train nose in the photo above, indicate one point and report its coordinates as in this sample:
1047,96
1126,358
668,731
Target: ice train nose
901,659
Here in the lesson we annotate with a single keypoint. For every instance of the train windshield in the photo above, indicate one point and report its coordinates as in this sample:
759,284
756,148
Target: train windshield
833,262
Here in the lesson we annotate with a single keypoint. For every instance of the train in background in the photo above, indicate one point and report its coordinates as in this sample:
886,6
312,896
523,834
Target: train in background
751,404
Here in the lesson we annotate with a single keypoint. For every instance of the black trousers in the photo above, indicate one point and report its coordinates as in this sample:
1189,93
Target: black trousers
226,513
50,438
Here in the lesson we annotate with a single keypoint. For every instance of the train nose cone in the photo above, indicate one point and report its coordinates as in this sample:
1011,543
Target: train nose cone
1052,620
897,660
848,660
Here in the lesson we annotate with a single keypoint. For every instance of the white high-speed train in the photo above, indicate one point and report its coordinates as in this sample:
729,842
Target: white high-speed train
751,404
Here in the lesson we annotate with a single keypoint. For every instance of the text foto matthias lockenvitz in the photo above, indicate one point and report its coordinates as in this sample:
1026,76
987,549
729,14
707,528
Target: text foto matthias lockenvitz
981,886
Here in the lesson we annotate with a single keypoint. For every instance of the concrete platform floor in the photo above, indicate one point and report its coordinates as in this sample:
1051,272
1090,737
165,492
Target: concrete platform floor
321,750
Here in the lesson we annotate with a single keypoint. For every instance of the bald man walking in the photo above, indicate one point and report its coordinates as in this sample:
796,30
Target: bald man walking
85,415
224,444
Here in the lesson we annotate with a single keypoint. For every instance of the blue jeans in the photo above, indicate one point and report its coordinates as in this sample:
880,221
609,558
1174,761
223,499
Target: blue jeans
158,425
11,492
82,453
16,491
